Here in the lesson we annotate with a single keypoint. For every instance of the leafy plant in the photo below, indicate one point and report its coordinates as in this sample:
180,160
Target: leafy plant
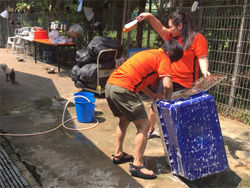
40,21
23,7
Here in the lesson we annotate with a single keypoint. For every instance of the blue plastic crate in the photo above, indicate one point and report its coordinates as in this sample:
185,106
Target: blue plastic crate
133,51
191,131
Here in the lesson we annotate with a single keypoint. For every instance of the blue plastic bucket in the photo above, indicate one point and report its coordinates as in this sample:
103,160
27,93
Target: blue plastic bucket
85,109
85,94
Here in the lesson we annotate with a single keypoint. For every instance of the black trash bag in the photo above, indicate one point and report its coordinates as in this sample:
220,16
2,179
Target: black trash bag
89,85
101,43
83,57
88,73
80,84
93,85
81,64
107,65
75,72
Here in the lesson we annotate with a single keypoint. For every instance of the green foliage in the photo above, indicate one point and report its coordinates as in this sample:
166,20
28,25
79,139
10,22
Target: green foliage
238,100
40,21
23,7
245,117
234,113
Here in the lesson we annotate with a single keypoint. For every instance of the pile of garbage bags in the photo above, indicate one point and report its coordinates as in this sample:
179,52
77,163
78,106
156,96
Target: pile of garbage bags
84,72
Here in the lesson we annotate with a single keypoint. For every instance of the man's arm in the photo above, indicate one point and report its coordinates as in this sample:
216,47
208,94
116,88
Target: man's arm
151,94
168,87
204,64
155,23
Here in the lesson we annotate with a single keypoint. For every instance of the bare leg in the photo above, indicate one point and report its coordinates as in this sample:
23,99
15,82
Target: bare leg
142,126
152,120
120,134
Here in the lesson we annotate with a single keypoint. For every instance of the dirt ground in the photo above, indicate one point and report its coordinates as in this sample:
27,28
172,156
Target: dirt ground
64,158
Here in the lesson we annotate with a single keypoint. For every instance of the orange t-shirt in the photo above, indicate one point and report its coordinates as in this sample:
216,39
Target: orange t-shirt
141,70
186,70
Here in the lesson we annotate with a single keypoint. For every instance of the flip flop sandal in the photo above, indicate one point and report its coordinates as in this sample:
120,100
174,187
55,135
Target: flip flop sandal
149,135
124,158
136,171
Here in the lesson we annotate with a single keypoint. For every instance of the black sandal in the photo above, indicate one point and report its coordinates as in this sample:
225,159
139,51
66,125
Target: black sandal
136,171
124,158
149,135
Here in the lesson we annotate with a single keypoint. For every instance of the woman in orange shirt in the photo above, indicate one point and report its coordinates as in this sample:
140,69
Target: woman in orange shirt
186,71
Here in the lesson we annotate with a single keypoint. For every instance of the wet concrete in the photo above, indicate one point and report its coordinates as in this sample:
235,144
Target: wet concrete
64,158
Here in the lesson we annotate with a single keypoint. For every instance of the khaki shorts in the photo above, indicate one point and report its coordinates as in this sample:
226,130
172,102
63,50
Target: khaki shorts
123,102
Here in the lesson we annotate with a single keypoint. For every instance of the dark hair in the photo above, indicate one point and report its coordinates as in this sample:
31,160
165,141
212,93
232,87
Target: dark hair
175,49
187,32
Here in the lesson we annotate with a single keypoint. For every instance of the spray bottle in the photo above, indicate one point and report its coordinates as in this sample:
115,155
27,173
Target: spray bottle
129,26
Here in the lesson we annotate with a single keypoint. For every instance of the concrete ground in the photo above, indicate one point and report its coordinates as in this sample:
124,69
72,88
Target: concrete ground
64,158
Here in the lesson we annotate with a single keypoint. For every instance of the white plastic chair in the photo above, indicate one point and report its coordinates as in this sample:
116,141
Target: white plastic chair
16,32
19,45
16,42
10,43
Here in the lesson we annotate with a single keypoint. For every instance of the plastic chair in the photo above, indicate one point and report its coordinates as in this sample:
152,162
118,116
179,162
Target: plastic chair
16,31
10,43
19,45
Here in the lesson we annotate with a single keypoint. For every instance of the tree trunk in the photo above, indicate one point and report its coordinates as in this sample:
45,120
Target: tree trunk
119,15
148,37
139,35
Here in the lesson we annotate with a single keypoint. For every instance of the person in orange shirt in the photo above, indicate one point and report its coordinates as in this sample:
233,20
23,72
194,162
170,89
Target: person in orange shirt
186,71
122,94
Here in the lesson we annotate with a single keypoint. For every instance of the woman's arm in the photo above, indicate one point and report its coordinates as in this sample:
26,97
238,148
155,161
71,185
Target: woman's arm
204,64
155,23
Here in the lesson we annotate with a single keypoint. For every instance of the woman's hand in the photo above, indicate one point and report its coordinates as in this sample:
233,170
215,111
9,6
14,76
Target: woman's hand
143,16
206,74
204,64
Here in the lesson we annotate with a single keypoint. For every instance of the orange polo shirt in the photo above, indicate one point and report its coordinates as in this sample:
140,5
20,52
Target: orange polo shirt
186,70
141,70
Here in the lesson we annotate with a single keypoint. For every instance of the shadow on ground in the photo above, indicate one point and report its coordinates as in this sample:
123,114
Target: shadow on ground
234,145
224,179
60,158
